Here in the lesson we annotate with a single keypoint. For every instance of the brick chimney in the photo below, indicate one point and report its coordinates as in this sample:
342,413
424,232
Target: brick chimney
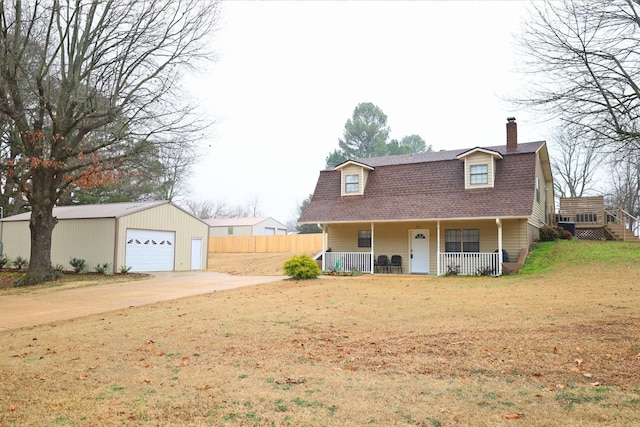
512,134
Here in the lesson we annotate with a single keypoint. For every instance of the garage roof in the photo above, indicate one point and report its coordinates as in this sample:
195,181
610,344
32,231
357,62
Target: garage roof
107,210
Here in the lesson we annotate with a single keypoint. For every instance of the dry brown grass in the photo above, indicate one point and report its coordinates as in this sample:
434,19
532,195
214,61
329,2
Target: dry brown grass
555,349
258,264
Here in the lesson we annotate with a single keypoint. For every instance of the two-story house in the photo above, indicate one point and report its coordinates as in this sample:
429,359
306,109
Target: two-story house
459,211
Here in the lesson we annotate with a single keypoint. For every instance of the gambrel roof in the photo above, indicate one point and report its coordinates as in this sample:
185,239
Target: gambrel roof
430,186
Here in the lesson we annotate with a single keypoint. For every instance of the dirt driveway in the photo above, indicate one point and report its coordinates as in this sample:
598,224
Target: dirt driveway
50,305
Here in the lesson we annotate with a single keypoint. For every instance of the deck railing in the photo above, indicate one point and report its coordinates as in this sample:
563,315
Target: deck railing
625,219
348,261
585,212
470,263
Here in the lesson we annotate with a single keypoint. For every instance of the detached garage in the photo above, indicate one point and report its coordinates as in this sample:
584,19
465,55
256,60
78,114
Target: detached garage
146,236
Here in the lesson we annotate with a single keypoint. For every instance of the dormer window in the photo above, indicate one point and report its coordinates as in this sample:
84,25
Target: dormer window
479,167
352,184
353,177
479,174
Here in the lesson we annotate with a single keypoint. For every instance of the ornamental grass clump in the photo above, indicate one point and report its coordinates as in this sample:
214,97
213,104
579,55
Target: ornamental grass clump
301,267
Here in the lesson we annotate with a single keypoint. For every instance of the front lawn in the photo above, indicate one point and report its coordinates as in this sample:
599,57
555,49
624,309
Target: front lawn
555,346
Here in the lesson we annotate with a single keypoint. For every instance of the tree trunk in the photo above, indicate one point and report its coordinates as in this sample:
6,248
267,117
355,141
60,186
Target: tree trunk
42,222
41,226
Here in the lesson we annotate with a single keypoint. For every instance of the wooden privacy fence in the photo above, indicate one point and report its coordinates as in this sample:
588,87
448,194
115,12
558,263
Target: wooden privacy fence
264,244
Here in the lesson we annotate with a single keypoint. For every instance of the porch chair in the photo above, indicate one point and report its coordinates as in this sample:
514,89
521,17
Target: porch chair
396,261
382,261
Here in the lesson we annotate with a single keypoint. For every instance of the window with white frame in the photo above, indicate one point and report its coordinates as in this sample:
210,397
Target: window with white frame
466,240
351,183
479,174
537,189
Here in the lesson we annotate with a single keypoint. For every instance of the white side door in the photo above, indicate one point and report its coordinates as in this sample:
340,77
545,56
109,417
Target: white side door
196,254
419,251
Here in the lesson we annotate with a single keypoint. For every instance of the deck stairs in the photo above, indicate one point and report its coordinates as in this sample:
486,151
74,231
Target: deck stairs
618,232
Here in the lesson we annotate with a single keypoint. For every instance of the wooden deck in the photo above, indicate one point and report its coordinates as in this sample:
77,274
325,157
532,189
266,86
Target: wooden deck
593,221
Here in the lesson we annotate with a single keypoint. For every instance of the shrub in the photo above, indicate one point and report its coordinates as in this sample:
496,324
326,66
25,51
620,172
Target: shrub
485,271
301,267
78,264
124,269
58,267
565,234
452,270
4,259
101,268
20,262
548,234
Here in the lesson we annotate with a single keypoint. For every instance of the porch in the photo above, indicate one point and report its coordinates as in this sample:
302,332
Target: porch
438,247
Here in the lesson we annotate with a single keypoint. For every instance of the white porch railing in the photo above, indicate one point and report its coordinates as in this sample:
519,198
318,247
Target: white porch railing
348,261
470,263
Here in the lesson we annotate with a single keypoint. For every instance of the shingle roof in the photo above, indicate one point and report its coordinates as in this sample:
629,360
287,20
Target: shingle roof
428,186
107,210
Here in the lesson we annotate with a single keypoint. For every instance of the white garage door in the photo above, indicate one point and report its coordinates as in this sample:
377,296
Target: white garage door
149,250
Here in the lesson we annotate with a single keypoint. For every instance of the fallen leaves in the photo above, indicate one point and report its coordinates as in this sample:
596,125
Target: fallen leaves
512,416
292,381
183,362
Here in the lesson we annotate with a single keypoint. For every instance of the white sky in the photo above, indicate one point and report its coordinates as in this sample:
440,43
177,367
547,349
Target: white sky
289,75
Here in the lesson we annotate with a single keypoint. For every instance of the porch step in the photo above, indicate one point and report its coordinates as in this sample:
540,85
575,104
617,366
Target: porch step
618,232
514,267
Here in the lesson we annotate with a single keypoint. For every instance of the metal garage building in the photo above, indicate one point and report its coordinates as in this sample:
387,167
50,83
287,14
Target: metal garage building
146,236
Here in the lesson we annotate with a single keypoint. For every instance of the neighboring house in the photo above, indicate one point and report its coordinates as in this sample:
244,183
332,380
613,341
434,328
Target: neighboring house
458,211
262,226
146,236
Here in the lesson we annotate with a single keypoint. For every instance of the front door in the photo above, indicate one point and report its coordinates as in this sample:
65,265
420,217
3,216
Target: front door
419,250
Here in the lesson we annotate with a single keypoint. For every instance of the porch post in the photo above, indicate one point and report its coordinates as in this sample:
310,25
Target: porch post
324,248
500,260
438,251
372,252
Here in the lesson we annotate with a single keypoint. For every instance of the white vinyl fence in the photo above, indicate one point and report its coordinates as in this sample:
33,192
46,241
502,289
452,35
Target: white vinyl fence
469,264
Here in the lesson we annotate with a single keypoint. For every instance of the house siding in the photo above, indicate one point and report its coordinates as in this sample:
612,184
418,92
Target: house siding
539,216
166,218
514,237
269,227
393,239
238,230
93,241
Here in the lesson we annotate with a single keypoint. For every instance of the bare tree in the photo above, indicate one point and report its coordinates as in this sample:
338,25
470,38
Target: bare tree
575,165
207,209
252,207
625,183
88,84
175,168
583,60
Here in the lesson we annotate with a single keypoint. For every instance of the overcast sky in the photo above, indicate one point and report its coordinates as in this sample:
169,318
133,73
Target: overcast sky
289,75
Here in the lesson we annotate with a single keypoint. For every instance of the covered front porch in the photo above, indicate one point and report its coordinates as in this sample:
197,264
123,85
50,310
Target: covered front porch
479,247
